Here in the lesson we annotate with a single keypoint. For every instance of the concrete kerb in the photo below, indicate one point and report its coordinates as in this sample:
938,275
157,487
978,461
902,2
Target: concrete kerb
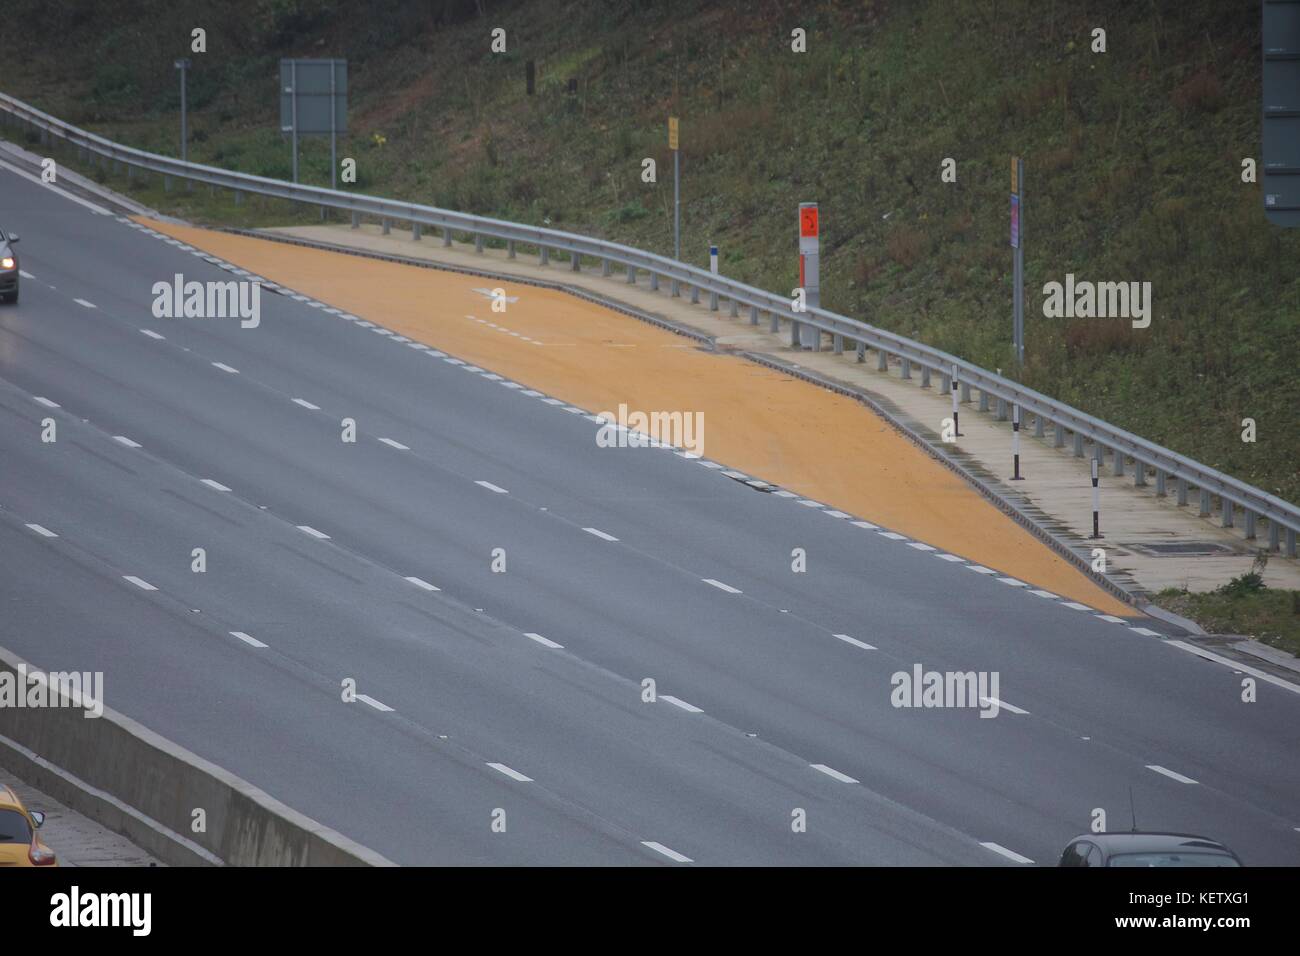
1003,503
146,787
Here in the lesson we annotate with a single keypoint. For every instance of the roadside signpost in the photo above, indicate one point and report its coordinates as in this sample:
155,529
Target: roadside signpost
1017,243
1280,81
313,102
809,280
677,188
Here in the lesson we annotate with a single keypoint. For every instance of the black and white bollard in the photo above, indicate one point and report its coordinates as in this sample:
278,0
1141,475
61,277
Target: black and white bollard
1015,441
956,420
1096,502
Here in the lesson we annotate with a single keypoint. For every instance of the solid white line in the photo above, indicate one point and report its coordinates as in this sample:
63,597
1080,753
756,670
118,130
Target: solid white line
395,444
225,368
1146,632
246,639
855,642
366,698
1009,854
722,587
215,484
140,583
833,773
491,487
544,641
600,534
678,702
511,773
313,532
152,334
306,404
1235,665
88,305
671,854
422,584
126,441
44,532
45,401
1169,773
1005,706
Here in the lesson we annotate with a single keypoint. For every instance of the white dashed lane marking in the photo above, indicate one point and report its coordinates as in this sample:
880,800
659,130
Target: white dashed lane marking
855,642
1164,771
126,441
671,854
423,584
1005,706
225,368
308,529
678,702
139,582
491,487
247,639
600,534
83,302
1145,632
45,401
215,484
949,557
152,334
722,587
395,444
43,532
1003,851
367,699
510,772
306,404
544,641
833,773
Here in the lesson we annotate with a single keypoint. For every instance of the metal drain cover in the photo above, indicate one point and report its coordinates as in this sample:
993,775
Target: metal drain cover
1184,549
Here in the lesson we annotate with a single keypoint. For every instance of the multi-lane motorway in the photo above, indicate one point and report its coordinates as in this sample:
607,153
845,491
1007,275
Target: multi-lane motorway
520,695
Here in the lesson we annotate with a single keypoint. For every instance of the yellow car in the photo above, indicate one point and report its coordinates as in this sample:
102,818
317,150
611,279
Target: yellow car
19,844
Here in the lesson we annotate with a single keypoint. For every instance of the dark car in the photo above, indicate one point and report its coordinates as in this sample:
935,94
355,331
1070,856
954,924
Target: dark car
8,267
1146,849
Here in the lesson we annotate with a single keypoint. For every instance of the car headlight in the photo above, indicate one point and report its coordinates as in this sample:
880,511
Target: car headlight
7,262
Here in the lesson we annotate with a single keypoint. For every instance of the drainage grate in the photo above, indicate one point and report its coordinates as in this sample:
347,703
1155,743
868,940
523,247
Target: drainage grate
1184,549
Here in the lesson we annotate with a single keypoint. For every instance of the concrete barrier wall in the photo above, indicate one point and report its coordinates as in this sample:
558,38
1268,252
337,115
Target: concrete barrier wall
147,788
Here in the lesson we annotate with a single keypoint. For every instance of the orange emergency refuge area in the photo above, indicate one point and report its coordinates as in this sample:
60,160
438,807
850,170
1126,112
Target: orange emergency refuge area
794,434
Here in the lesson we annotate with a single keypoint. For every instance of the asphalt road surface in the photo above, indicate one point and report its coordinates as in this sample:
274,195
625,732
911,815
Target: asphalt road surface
519,695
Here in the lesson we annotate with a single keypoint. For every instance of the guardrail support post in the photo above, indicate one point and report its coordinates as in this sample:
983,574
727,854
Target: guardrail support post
478,247
794,334
1274,538
1290,542
695,294
510,249
604,267
654,282
1078,445
862,351
1226,513
713,302
882,360
1118,465
631,275
415,232
837,343
1182,491
356,219
1058,435
965,393
446,238
1139,474
167,183
984,400
753,315
1160,484
945,382
545,255
1038,426
1250,525
925,376
735,308
907,368
239,197
387,225
1002,410
1205,503
776,322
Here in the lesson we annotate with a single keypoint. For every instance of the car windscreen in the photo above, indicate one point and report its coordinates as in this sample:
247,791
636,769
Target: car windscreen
1174,858
14,827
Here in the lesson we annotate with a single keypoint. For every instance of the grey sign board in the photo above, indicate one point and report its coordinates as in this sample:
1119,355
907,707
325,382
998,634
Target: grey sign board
1280,170
321,90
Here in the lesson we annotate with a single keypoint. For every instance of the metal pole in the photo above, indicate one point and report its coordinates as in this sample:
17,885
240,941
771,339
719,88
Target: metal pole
1020,266
293,112
334,156
1096,502
677,205
956,413
1015,441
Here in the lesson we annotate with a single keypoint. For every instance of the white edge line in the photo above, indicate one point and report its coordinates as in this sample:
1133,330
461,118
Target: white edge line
1236,665
833,773
678,702
722,587
42,531
419,583
671,854
600,534
367,699
855,642
1172,775
544,641
1003,851
510,772
247,639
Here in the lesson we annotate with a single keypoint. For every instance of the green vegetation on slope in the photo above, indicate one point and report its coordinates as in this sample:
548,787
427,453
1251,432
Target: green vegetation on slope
1133,159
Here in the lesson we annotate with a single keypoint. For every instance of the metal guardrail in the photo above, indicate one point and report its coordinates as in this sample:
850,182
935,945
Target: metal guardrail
1283,518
